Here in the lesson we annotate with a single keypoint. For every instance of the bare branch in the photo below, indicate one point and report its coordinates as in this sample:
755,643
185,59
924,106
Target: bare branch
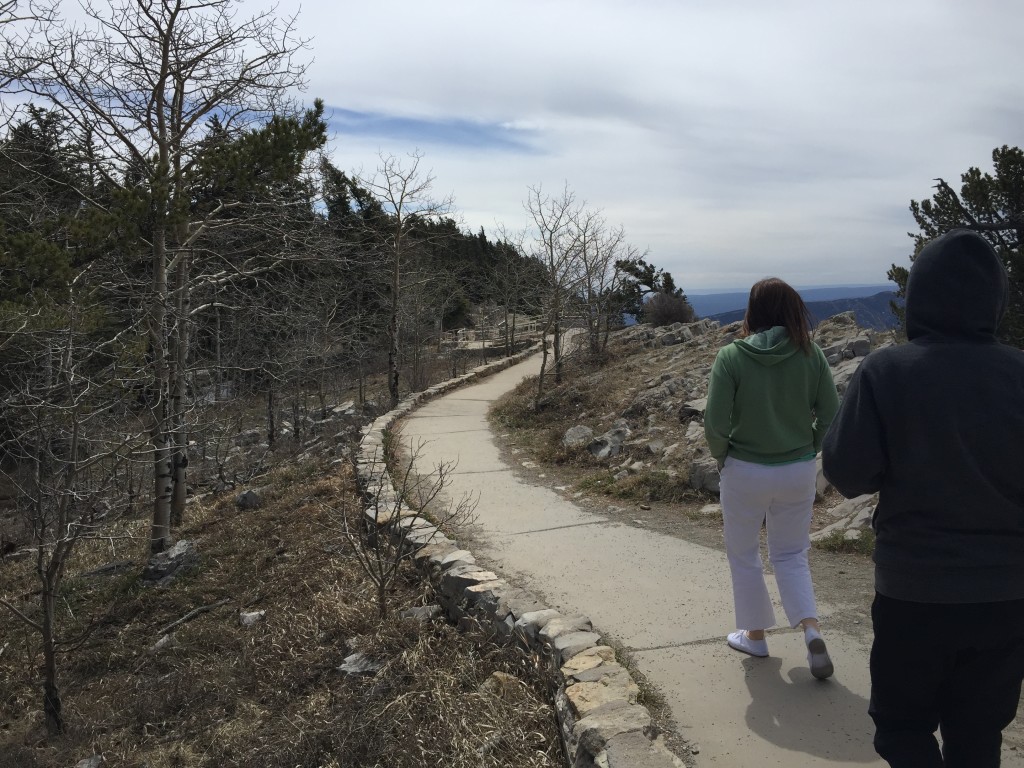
34,624
192,614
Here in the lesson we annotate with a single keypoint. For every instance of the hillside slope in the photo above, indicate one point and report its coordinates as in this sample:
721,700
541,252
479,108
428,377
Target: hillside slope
708,304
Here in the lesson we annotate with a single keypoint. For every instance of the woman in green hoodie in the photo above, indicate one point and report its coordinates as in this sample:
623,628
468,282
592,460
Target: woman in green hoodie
771,399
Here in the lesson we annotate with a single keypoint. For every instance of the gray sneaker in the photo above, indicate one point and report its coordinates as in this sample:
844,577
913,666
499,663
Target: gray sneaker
818,659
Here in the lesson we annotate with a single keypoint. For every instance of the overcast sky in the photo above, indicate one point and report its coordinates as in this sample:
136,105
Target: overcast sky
733,139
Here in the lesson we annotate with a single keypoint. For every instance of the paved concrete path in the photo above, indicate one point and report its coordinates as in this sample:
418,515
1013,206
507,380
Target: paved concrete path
667,600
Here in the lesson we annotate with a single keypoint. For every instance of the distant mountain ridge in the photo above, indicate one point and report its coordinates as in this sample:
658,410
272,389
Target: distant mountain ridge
711,304
871,311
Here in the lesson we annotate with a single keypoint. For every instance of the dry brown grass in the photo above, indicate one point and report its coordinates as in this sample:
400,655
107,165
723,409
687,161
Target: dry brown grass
539,430
271,694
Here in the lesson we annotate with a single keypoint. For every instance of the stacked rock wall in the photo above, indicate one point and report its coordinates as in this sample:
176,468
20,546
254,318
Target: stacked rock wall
601,722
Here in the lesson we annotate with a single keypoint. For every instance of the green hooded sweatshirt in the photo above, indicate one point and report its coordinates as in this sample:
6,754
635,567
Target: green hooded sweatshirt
768,402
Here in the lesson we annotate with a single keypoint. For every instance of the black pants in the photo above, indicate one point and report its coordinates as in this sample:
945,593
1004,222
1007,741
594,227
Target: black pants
952,667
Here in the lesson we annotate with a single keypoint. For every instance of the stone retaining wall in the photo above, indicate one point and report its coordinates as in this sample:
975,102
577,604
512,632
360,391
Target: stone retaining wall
601,722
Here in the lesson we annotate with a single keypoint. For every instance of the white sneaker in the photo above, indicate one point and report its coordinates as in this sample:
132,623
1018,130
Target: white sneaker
741,641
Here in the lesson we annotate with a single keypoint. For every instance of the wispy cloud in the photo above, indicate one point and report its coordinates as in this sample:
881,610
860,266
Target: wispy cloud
731,139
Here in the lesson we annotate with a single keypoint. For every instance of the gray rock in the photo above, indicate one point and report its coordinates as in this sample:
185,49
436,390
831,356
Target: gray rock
180,558
456,580
249,499
843,372
359,664
635,750
610,443
863,518
704,474
694,432
593,732
165,643
485,596
646,401
423,613
694,409
434,552
517,603
532,622
860,346
348,408
571,643
577,436
455,557
821,483
96,761
850,507
661,379
833,351
249,618
561,625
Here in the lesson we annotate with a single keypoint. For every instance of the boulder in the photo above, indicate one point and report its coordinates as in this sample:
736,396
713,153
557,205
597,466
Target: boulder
249,499
165,643
610,443
423,613
249,618
704,474
694,409
172,562
359,664
577,436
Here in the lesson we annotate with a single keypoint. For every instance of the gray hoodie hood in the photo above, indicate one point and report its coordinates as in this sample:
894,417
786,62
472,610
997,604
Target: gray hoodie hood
957,288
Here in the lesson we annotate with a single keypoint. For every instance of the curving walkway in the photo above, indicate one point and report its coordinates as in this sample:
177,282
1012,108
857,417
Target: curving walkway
665,599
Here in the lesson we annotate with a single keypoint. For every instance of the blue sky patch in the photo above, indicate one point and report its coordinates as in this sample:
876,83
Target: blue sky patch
461,133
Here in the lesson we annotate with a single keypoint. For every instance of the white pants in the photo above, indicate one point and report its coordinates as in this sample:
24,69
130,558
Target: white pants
781,496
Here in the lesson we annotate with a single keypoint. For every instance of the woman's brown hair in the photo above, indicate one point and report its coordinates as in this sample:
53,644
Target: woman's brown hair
775,302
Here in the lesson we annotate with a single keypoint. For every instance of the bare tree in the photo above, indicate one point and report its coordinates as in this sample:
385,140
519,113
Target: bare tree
142,81
19,21
517,281
67,435
602,250
402,505
403,191
556,246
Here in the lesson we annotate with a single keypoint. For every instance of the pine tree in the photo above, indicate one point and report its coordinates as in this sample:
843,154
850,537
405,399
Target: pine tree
991,204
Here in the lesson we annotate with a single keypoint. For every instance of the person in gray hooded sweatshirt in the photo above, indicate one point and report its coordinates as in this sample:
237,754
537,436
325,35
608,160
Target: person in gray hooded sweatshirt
936,427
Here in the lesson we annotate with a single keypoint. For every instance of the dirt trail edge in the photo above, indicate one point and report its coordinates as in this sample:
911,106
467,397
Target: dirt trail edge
667,600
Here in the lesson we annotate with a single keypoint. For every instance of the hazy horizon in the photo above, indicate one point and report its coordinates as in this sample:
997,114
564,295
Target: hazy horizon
888,286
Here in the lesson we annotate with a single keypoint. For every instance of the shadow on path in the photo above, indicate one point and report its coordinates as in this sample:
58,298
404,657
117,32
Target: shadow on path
799,713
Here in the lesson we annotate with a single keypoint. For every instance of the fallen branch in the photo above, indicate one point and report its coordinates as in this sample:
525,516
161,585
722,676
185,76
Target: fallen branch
192,614
34,624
